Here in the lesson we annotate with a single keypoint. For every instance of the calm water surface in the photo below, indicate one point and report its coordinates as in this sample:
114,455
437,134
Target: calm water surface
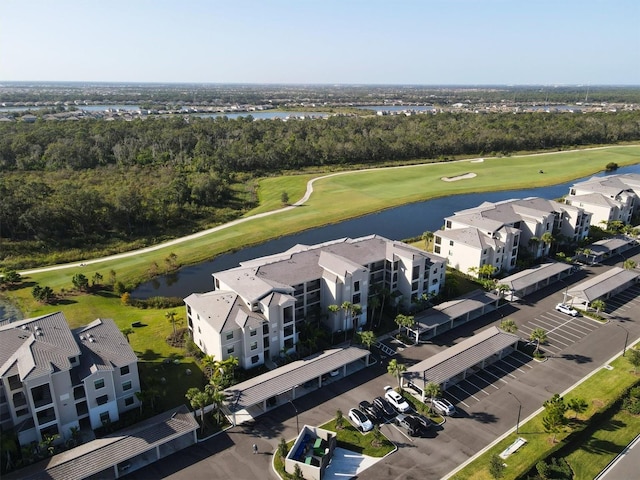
396,224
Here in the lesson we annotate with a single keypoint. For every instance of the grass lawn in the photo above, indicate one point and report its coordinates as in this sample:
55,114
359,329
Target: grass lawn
600,390
350,438
336,198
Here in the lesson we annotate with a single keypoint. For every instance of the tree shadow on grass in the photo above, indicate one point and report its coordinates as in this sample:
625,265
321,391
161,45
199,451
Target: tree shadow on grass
601,447
148,355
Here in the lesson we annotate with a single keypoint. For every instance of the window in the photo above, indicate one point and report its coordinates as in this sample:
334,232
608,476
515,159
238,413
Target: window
229,335
102,399
199,331
451,243
78,393
288,331
253,332
356,286
21,412
230,350
438,240
128,401
356,298
436,249
41,395
126,386
98,384
47,415
254,345
104,417
448,224
124,370
255,359
14,382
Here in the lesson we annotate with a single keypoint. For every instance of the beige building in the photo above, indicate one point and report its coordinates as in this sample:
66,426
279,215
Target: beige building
495,233
53,379
254,311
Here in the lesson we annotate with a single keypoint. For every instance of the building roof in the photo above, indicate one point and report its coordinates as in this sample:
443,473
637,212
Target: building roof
531,276
602,284
609,245
98,455
595,199
459,307
37,346
103,345
612,185
456,359
283,379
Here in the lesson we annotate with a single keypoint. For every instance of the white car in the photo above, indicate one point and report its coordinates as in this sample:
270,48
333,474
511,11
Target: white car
396,400
568,309
443,406
360,420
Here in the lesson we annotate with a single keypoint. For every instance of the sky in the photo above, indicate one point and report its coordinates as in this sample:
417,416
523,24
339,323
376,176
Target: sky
405,42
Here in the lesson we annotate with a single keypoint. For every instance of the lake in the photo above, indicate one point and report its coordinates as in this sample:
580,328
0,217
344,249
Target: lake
396,223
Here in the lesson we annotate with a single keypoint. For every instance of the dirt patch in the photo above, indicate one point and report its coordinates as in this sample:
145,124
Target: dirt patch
458,177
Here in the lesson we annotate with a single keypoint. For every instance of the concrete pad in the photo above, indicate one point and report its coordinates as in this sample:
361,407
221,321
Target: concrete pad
347,464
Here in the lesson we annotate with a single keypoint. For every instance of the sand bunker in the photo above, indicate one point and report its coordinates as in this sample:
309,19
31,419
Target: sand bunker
459,177
478,160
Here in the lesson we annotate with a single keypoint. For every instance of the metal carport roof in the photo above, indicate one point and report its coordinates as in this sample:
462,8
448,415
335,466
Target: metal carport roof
604,283
456,359
283,379
532,276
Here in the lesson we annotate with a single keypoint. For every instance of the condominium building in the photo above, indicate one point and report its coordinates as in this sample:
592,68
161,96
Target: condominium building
611,198
495,233
53,379
255,310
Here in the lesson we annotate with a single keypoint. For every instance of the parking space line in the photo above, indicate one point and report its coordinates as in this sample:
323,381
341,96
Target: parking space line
573,327
458,400
505,371
468,393
512,366
494,376
480,378
523,363
480,389
401,432
588,324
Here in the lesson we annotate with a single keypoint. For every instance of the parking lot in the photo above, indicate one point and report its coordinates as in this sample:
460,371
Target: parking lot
623,303
483,383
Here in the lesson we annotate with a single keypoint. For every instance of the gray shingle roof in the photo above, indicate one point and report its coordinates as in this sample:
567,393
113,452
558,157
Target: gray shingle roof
283,379
531,276
98,455
456,359
604,283
457,308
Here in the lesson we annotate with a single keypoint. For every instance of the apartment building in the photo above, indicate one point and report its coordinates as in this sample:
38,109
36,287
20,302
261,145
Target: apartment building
610,198
495,233
255,310
53,378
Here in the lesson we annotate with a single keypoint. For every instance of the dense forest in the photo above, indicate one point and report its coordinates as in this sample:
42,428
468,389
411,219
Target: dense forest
92,182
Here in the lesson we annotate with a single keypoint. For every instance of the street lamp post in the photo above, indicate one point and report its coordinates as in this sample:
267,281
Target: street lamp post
519,410
296,410
626,338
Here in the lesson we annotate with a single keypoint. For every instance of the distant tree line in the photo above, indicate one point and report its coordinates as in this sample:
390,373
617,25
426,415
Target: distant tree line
73,184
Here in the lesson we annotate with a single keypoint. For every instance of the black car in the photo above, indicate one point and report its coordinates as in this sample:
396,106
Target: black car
410,423
385,407
371,411
424,421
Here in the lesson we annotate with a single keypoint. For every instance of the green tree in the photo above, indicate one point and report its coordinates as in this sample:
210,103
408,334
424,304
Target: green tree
297,472
126,332
508,325
198,399
539,336
339,419
577,406
427,236
633,356
80,282
496,467
629,264
284,198
283,448
173,319
554,419
96,279
368,338
548,239
432,390
396,369
405,321
599,305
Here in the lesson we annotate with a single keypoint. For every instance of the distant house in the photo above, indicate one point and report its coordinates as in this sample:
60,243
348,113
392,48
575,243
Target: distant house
255,310
53,378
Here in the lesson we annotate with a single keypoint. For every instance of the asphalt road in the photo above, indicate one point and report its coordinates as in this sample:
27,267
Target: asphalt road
488,410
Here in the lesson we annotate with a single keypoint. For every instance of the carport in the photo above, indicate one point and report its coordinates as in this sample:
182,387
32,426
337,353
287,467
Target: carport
267,390
451,314
532,279
465,358
603,286
602,249
120,453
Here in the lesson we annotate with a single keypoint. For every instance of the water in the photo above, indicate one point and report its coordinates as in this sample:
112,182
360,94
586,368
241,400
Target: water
396,223
399,108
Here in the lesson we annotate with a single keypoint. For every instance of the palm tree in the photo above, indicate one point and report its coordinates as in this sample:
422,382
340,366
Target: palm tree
339,419
427,237
502,288
396,369
355,312
432,390
368,338
547,238
533,244
171,316
198,400
578,406
126,332
539,336
599,305
333,310
508,325
629,264
346,307
374,303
